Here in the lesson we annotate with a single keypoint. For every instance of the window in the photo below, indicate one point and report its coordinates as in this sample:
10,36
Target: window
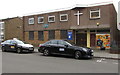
40,35
13,42
2,36
51,18
7,42
2,26
51,34
31,35
40,19
64,43
63,34
49,42
95,14
54,42
31,20
2,30
64,17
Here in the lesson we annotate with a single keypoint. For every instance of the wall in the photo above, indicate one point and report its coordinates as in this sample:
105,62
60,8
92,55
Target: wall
13,28
85,22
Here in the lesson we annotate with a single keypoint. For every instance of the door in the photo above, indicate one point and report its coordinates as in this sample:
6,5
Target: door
62,47
6,45
12,45
65,48
92,40
53,46
81,39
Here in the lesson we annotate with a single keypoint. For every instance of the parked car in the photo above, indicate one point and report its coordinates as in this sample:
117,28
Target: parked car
16,45
64,48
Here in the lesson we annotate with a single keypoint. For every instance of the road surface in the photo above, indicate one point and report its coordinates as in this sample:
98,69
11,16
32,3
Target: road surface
37,63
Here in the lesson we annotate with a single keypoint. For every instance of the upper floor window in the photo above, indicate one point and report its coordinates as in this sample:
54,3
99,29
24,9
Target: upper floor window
94,14
31,20
2,37
64,17
51,18
40,19
1,25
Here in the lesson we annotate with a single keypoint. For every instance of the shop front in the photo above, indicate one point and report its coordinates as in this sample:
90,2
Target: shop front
93,38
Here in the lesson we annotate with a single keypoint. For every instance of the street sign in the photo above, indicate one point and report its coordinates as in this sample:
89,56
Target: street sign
45,26
69,35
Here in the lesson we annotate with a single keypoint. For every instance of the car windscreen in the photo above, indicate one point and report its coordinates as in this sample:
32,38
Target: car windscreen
72,43
19,42
68,43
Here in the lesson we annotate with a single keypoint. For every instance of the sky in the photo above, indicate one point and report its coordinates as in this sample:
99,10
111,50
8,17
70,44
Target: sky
14,8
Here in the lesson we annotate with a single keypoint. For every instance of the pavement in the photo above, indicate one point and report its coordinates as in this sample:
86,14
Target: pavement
106,54
102,54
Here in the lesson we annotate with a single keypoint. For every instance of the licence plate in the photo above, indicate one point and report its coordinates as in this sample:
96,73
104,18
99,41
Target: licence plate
12,47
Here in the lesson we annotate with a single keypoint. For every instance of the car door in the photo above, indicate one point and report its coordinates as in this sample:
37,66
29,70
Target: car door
69,50
54,46
12,45
66,48
61,47
6,45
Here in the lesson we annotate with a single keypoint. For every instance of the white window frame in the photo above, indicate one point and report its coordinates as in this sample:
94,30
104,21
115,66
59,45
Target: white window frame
32,18
2,31
63,15
40,17
50,17
92,11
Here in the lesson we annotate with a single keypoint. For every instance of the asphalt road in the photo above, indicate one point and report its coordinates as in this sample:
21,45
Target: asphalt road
37,63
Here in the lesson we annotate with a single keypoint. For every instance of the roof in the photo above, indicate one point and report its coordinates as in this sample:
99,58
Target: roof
72,7
9,18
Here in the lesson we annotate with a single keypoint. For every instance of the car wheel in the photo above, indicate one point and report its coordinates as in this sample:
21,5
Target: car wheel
78,55
3,49
19,50
46,52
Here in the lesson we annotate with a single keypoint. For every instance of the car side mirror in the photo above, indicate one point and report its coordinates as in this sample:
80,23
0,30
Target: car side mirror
66,45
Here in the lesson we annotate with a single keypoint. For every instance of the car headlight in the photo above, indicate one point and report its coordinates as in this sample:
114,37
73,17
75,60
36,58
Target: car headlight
92,51
85,49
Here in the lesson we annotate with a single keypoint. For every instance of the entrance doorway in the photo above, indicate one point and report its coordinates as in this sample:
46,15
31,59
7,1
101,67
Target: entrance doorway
92,40
81,39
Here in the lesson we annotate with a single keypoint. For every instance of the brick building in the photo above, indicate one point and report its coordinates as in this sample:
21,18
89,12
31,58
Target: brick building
13,28
81,24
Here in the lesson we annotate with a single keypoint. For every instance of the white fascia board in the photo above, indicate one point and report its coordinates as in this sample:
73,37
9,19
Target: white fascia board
69,8
57,10
99,4
49,11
